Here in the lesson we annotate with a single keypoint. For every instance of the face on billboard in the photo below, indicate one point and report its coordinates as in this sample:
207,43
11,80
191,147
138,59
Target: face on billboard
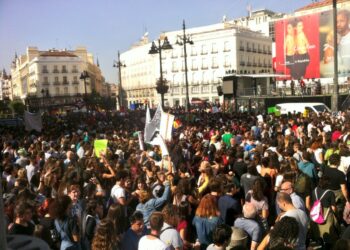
305,45
297,47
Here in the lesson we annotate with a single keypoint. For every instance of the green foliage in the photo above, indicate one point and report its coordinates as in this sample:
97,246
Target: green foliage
17,107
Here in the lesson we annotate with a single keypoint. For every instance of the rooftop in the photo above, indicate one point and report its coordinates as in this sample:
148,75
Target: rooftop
56,53
319,4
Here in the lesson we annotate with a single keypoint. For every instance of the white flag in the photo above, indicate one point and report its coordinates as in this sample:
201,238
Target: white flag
139,134
158,140
153,126
166,126
32,121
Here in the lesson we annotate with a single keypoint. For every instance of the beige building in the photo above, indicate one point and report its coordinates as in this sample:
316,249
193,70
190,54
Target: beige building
54,73
5,85
216,50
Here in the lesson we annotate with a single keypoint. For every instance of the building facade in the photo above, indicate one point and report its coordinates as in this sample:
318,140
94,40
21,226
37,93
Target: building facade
5,86
55,74
216,50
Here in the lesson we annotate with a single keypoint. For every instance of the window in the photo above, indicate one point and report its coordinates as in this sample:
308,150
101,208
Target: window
46,80
45,69
204,63
75,80
204,49
214,63
174,53
214,48
183,65
194,64
174,67
57,89
193,51
227,46
66,90
56,79
227,61
55,69
195,90
75,69
64,69
65,80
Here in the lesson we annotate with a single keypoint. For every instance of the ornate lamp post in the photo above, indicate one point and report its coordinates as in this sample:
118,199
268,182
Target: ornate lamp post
83,76
119,65
183,40
161,87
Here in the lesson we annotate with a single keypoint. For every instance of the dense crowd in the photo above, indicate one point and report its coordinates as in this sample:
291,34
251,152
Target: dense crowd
230,181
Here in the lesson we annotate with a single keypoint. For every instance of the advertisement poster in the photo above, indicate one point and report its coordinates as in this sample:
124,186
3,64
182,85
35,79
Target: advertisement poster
297,47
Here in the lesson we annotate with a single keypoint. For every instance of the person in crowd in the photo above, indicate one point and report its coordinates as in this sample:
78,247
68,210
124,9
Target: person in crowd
151,241
133,235
298,202
229,205
22,221
221,237
65,224
168,234
104,238
249,224
285,203
284,234
206,219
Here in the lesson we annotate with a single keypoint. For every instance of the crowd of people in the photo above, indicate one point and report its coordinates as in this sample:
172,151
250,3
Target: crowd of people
230,181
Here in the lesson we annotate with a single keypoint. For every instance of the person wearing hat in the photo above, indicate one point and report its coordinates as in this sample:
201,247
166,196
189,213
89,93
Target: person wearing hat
239,238
22,161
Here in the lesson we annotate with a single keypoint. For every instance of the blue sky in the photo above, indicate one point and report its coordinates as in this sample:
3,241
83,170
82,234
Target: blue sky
106,26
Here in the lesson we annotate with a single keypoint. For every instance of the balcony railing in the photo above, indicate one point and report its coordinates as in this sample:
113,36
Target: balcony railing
55,71
242,63
75,71
64,71
56,83
241,48
249,49
65,82
46,83
75,82
45,71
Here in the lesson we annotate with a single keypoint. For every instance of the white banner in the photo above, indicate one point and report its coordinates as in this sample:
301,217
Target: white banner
166,126
139,134
153,126
32,121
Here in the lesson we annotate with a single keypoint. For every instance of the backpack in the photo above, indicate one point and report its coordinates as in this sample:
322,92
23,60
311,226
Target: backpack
316,212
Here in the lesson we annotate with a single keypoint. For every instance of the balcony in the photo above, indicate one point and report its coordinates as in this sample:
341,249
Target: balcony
56,83
193,53
249,49
46,83
75,71
204,52
45,71
241,48
173,56
204,67
55,71
174,70
215,66
254,50
194,68
75,82
254,64
64,71
242,63
214,51
65,82
260,65
249,64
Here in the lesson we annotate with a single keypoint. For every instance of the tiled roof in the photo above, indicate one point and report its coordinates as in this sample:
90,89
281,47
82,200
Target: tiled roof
319,4
57,53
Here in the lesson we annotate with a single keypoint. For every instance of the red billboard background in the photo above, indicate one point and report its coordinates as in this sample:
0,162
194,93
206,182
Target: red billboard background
300,64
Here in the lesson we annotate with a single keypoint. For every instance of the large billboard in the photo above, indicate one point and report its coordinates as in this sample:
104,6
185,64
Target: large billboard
305,45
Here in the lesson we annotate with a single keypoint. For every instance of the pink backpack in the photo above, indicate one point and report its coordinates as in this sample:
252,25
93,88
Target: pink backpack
316,212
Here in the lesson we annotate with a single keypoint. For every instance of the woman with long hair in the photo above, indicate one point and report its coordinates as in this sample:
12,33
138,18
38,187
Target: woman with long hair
206,219
116,213
65,224
256,197
105,236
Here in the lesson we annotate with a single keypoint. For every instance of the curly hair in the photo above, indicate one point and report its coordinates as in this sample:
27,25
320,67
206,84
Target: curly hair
105,236
285,232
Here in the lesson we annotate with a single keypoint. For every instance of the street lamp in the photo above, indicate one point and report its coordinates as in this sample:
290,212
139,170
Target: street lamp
119,65
185,39
83,76
43,95
161,87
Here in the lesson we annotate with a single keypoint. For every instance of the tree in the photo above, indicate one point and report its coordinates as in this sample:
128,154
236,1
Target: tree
17,107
